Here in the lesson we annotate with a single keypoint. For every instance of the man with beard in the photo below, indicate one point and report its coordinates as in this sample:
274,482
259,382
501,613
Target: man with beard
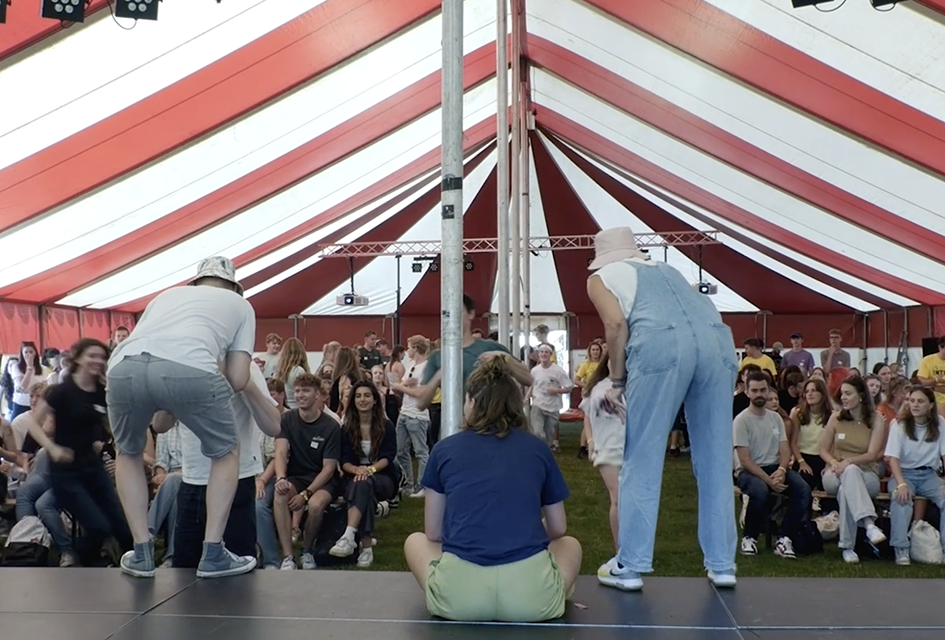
761,470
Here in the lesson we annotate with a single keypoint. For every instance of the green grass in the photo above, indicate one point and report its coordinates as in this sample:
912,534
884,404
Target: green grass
677,550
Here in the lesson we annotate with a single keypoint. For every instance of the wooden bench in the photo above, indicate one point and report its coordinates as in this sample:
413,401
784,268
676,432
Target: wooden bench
882,497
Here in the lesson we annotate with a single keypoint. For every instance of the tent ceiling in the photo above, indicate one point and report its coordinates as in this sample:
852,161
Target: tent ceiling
260,129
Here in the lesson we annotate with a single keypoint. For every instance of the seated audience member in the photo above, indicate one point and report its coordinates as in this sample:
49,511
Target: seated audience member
792,388
12,461
307,453
495,545
807,430
413,424
253,409
77,426
292,362
875,388
851,445
166,481
916,449
549,383
35,498
368,449
741,402
347,371
266,485
818,372
21,424
762,471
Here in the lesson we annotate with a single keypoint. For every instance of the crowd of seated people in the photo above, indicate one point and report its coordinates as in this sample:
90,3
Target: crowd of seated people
848,437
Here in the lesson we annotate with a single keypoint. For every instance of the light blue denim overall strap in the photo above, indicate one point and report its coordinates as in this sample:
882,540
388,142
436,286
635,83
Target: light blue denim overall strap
679,351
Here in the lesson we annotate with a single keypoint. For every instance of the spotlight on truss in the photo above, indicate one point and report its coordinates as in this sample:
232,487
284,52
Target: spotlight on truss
417,267
137,9
3,11
64,10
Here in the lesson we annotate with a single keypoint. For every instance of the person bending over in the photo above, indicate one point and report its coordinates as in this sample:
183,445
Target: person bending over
494,546
172,363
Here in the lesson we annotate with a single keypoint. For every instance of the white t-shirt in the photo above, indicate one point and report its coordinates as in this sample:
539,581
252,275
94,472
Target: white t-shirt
21,427
409,407
913,454
542,379
21,395
193,326
621,280
271,362
290,387
196,467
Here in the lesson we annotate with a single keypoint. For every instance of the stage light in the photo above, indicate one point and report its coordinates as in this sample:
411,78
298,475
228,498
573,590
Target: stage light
434,266
137,9
3,11
417,267
883,3
808,3
468,264
64,10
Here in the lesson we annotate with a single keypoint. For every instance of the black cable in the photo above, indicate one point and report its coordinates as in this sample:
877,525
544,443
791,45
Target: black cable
831,10
111,9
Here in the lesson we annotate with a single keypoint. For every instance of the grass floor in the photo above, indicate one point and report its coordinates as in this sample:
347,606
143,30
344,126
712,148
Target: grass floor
677,550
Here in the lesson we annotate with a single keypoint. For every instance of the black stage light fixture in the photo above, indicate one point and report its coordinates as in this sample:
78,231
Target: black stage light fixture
64,10
3,11
417,267
808,3
468,264
137,9
883,3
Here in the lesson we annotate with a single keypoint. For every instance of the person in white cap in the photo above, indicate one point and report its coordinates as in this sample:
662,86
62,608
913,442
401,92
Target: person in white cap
667,346
188,355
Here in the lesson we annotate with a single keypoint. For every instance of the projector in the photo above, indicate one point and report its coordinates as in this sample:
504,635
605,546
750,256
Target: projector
706,289
352,300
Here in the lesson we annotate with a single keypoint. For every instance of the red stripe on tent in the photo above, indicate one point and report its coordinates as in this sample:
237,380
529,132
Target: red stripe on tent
473,138
227,89
612,152
26,26
769,297
731,149
709,34
480,221
935,5
357,133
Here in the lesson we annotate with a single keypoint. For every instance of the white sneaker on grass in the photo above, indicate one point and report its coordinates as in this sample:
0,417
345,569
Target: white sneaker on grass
875,534
308,561
366,557
343,548
850,557
785,548
611,574
749,546
902,557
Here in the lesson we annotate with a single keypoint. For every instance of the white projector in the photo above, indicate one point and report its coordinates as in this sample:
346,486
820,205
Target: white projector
352,300
706,289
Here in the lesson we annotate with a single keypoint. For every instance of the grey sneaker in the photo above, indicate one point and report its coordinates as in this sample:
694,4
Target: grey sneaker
139,562
218,562
902,557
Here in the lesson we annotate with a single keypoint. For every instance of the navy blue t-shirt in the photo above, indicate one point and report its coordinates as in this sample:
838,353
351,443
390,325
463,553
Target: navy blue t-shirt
495,490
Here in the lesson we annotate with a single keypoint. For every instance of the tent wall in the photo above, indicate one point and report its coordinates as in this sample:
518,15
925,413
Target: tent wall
57,327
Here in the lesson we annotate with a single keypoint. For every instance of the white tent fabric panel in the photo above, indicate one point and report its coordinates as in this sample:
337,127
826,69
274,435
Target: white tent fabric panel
671,201
121,67
226,156
284,211
378,280
894,52
726,182
608,213
819,149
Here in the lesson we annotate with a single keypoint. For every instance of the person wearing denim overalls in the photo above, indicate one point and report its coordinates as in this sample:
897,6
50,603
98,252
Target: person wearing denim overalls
668,347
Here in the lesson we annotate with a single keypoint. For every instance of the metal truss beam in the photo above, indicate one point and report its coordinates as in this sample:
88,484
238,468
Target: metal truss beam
489,245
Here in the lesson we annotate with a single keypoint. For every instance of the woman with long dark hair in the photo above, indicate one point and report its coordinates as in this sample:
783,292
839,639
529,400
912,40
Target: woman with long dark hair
76,418
368,449
27,370
915,450
293,361
347,371
494,547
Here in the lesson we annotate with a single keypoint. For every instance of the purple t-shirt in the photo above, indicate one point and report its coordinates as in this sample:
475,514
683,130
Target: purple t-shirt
802,359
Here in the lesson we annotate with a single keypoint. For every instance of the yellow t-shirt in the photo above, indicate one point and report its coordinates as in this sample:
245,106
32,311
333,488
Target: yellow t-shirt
930,368
765,362
586,370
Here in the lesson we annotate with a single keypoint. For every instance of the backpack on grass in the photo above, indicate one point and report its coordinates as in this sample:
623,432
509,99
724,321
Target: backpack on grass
28,544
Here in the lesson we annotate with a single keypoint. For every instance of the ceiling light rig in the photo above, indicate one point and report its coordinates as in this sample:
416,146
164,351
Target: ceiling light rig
64,10
137,9
3,11
882,6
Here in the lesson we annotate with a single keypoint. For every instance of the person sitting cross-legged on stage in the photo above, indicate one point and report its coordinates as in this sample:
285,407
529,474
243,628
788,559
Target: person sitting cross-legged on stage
762,471
486,554
307,455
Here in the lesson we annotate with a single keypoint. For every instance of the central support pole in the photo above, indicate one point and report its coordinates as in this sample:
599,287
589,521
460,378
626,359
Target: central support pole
451,252
514,216
502,144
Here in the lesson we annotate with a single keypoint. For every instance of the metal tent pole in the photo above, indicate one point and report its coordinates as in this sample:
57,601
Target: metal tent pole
515,280
525,173
502,143
451,253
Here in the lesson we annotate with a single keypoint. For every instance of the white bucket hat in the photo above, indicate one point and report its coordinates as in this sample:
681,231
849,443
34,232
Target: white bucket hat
615,245
218,267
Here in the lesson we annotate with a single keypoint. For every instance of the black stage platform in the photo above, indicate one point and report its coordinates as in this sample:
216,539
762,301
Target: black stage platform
93,604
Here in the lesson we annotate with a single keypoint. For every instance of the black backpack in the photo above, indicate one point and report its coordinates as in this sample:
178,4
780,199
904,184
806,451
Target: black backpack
808,541
334,523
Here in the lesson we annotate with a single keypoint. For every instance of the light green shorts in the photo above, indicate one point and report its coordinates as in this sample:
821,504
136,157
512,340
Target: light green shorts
530,590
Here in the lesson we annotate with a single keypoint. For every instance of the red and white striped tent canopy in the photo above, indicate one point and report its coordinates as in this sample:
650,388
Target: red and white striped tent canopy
813,141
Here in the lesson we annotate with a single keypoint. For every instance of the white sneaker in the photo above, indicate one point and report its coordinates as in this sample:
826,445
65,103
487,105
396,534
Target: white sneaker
815,505
288,564
784,548
749,546
308,561
875,534
850,557
271,567
343,548
902,557
419,493
722,580
366,557
610,574
167,563
67,560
